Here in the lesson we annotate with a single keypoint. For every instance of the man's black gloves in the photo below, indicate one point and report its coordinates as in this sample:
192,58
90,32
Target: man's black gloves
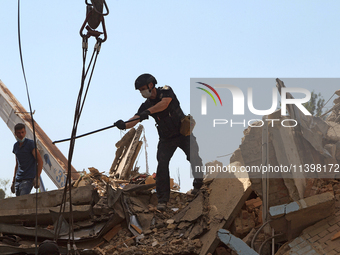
144,115
120,124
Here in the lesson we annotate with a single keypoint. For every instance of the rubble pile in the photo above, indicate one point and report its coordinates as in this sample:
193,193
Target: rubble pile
230,215
122,218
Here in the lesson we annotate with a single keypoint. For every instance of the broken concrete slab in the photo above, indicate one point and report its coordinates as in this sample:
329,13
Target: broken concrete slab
80,212
8,250
80,196
197,230
25,231
227,197
195,209
314,129
287,154
252,155
101,207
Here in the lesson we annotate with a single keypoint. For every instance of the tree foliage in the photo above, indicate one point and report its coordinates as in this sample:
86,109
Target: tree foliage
315,104
4,188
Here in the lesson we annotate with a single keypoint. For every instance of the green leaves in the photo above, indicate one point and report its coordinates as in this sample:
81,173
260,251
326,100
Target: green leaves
315,104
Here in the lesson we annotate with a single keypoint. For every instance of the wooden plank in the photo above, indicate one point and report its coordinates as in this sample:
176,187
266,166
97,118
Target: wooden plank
136,228
125,173
109,235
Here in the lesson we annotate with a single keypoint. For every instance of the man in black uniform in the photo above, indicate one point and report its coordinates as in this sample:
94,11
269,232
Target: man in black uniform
163,106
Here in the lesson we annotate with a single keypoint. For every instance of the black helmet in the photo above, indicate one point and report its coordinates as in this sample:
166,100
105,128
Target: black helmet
144,79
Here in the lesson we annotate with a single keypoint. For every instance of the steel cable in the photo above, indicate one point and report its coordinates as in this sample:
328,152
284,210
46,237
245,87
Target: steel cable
78,110
33,130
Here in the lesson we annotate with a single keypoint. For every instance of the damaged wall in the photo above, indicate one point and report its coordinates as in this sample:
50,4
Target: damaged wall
310,143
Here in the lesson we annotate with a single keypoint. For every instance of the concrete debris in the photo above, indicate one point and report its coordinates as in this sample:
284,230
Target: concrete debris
309,193
235,243
117,214
300,214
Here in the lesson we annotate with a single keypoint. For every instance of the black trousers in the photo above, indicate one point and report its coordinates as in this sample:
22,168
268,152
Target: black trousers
165,150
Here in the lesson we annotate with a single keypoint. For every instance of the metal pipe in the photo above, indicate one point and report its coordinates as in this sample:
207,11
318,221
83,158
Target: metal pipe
92,132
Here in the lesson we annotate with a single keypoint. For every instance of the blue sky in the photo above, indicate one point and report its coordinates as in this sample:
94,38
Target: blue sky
174,41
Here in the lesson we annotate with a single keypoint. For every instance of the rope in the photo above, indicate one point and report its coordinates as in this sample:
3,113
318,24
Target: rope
33,130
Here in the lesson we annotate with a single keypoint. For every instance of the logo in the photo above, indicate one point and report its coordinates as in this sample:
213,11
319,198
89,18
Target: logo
238,100
204,97
238,103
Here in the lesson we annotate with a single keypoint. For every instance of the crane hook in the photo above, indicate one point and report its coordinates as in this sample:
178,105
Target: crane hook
94,16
